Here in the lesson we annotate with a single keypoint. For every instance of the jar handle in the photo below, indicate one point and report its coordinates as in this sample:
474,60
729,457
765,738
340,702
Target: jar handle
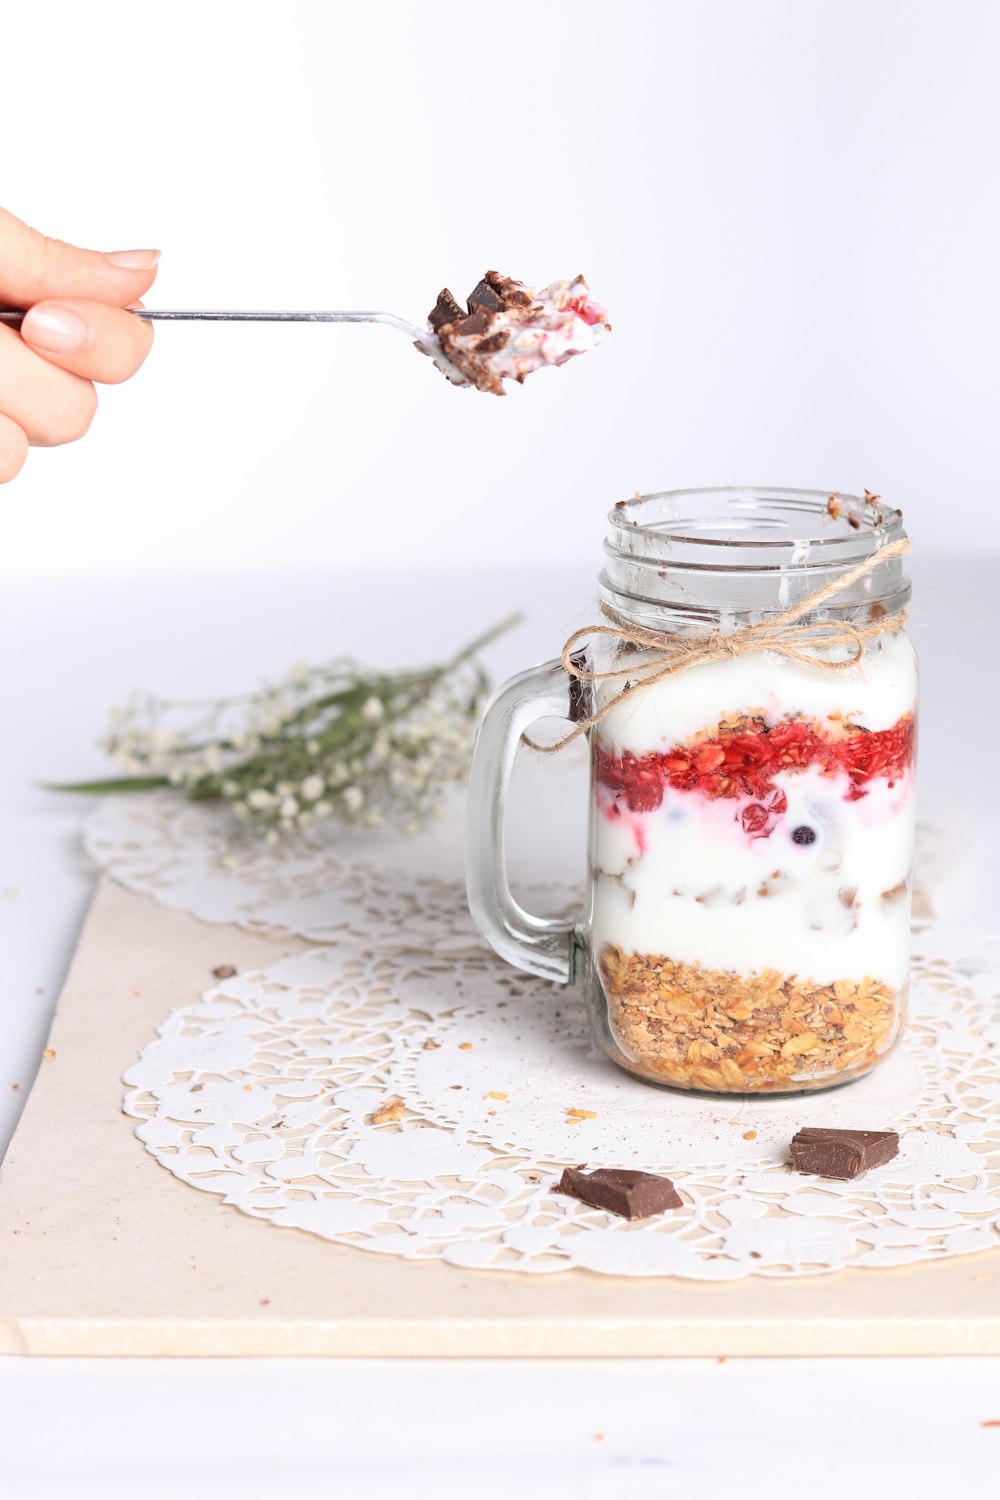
539,944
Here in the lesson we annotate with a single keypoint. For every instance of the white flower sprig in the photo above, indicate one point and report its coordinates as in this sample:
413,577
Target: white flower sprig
332,741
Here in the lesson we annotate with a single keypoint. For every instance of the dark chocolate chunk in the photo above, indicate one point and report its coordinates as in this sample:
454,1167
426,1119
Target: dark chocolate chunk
580,691
476,324
631,1195
803,834
486,296
445,310
509,292
494,341
842,1153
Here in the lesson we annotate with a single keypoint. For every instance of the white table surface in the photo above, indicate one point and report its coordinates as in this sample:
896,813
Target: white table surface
657,1428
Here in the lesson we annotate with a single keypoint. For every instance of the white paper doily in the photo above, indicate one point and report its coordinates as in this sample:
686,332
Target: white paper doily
192,857
263,1093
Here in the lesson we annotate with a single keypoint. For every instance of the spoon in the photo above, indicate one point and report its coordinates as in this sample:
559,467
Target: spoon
506,331
424,338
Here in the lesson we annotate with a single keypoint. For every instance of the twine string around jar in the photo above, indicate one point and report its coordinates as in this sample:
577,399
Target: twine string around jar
784,633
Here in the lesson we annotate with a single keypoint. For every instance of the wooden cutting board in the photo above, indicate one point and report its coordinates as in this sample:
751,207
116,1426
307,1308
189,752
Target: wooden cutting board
103,1252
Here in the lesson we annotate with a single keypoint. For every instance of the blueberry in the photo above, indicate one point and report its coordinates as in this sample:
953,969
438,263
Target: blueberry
803,834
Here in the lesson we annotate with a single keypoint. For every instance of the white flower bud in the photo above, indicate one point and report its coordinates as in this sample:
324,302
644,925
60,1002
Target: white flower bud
354,799
372,710
313,788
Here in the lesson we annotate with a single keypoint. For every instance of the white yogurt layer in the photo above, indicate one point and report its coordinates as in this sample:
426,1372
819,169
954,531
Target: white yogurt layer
876,694
686,881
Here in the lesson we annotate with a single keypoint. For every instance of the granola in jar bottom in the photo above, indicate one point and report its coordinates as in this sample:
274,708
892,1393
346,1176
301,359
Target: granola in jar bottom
751,851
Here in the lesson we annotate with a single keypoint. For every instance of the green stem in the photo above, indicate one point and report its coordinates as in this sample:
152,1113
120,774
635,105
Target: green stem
113,784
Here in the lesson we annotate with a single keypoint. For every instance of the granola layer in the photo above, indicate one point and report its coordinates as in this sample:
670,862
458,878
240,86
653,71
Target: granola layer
725,1032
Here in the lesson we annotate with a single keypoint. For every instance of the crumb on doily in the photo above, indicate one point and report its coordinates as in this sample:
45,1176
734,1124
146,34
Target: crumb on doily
496,1094
224,971
48,1052
389,1112
581,1114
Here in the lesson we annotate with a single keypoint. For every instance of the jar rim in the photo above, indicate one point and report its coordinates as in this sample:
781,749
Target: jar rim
771,506
748,548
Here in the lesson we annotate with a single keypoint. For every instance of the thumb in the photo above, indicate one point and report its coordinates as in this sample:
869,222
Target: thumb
34,267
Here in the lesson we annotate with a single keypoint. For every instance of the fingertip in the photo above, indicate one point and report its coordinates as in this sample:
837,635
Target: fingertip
13,449
134,260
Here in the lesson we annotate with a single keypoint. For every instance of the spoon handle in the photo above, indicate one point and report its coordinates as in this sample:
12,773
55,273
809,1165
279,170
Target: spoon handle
11,317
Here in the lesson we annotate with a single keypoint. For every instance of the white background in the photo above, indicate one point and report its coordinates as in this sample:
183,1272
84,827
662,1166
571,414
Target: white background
789,207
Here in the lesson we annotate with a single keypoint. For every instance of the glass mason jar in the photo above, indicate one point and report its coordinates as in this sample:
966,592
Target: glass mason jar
747,916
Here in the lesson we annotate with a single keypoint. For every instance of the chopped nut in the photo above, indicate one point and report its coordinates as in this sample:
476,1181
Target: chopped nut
465,1046
582,1114
749,1135
495,1094
224,971
833,508
48,1052
389,1112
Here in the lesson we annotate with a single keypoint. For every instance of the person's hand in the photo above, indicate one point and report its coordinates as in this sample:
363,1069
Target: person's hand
76,331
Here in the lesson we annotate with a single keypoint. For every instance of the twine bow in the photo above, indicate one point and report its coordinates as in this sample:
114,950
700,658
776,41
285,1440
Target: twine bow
803,643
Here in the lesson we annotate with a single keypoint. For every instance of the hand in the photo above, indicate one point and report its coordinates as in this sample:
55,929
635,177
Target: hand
76,331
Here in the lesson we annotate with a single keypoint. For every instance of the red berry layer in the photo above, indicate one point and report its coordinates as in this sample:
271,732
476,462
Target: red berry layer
744,764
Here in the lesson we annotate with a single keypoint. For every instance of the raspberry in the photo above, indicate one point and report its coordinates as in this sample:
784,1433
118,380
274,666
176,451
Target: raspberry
754,818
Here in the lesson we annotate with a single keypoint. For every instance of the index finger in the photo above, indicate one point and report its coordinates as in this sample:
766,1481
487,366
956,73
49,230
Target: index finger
34,267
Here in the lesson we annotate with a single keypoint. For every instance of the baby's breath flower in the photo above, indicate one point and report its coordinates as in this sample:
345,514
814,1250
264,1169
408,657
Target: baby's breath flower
332,741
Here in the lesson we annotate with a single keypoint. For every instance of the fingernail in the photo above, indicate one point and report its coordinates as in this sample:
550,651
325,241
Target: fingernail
54,328
133,260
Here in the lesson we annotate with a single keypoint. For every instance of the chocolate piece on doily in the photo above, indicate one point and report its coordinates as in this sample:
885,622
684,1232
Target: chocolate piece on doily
842,1153
630,1195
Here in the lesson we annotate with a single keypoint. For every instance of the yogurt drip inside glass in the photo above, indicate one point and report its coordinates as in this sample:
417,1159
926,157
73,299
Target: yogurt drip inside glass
752,818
